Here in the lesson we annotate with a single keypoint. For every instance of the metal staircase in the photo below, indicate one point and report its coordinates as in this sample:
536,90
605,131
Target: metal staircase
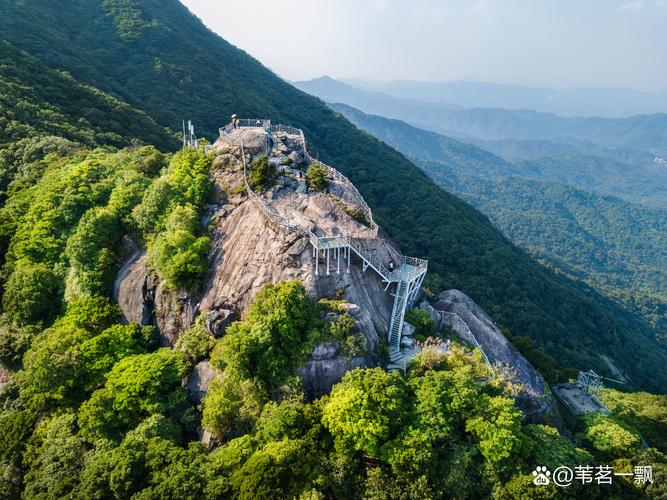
396,325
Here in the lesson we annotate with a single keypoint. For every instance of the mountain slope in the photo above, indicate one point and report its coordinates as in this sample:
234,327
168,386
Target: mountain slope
608,156
38,104
37,100
616,246
160,58
632,175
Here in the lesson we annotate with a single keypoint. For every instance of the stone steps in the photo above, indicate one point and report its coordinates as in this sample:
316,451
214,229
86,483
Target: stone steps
395,356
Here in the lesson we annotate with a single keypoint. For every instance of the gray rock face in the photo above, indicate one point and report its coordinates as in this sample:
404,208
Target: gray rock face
218,320
199,380
140,295
130,290
536,400
325,368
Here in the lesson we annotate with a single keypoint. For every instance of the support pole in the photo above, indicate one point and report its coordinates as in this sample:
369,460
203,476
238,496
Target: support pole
338,260
327,262
348,259
317,262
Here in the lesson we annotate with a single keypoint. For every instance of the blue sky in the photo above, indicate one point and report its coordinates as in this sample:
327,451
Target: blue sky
557,43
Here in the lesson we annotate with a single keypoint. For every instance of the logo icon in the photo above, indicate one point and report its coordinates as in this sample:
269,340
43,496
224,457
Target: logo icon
541,475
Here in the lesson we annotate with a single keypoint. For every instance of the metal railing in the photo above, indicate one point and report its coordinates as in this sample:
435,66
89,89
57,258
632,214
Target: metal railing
456,323
287,129
267,209
419,265
246,123
324,242
334,174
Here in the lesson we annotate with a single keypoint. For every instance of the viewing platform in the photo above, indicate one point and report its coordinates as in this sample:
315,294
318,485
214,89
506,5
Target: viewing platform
341,224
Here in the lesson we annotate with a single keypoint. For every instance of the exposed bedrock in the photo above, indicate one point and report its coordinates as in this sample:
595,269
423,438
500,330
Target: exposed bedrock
536,400
248,251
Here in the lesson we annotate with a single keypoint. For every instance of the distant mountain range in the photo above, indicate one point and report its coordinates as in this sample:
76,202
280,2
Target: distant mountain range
579,101
643,133
620,248
609,156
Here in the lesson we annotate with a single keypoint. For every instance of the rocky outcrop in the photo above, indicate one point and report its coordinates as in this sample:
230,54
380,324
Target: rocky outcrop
325,368
130,290
535,399
199,381
249,252
174,312
145,300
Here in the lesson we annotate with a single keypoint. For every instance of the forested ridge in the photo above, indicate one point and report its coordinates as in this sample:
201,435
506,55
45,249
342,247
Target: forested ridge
168,64
94,408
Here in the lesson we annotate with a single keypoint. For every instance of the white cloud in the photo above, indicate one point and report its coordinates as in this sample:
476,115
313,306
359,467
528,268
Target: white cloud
637,5
634,5
481,7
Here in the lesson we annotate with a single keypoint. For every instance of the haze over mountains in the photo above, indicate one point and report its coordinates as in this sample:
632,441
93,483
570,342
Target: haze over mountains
637,133
610,156
579,101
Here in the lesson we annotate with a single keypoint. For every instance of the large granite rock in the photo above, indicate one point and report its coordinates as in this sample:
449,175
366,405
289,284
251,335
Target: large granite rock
199,381
130,290
325,368
145,300
535,399
174,312
248,251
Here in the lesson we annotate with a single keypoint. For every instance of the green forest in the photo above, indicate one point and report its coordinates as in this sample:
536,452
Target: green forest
167,64
91,407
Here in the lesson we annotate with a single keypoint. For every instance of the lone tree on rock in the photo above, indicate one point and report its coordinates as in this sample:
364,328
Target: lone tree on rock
316,177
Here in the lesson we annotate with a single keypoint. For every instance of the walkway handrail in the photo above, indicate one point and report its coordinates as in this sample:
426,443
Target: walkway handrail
286,129
455,319
319,241
246,123
332,173
372,261
270,213
339,177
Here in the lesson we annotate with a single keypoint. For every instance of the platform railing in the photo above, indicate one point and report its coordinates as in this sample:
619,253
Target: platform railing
331,172
341,240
